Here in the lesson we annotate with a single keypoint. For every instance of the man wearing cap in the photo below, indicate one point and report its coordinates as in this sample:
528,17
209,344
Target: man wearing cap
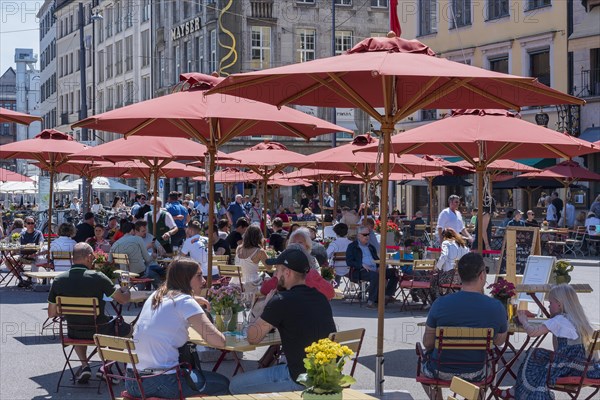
302,316
516,219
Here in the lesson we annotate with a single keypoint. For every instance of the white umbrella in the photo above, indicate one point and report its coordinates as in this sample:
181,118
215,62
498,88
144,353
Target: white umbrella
18,187
99,184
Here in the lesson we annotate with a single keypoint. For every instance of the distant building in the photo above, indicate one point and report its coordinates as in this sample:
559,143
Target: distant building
48,82
8,99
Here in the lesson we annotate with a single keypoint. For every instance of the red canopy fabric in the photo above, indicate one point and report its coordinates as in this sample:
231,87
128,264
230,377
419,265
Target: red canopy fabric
48,147
10,176
502,165
7,115
265,156
233,175
565,171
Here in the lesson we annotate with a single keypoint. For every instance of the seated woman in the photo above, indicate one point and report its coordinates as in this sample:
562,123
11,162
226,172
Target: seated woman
572,335
339,245
162,329
308,215
98,242
248,255
64,242
453,248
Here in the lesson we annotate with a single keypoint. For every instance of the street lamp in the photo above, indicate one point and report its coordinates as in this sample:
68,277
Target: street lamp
541,118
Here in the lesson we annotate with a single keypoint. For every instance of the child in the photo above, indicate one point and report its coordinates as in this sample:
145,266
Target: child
572,335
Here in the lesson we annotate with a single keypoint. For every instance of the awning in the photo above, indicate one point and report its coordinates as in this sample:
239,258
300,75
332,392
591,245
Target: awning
591,134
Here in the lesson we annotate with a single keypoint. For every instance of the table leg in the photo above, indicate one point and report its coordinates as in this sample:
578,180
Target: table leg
508,366
540,304
220,360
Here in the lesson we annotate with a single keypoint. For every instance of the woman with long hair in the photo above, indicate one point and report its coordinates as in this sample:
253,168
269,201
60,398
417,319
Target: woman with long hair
453,248
162,328
572,336
98,242
248,255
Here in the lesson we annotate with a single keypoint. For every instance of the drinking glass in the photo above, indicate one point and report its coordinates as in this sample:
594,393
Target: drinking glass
125,279
247,299
226,314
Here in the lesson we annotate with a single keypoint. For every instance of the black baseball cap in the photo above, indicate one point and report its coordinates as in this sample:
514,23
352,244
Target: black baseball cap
294,259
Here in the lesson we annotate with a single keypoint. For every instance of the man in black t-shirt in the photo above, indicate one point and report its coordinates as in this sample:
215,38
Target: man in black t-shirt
235,237
85,230
279,236
302,316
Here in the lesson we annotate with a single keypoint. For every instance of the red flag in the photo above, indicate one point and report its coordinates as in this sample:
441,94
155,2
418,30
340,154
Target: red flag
394,21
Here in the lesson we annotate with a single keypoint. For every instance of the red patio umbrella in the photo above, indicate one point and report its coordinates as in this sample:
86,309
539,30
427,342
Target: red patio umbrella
213,120
10,176
567,173
51,148
7,115
401,76
266,160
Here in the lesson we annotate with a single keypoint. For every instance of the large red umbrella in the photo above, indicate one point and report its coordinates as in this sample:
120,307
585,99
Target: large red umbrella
51,148
10,176
7,115
400,76
266,160
567,173
213,120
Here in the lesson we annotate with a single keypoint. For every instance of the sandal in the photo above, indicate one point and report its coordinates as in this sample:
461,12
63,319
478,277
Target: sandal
504,394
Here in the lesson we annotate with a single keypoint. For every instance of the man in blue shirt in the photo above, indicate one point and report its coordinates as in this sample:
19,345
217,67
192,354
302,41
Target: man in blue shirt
361,256
467,308
180,215
236,210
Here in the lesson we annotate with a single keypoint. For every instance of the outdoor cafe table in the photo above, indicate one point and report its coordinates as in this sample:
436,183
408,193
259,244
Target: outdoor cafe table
8,252
233,344
43,274
532,291
348,394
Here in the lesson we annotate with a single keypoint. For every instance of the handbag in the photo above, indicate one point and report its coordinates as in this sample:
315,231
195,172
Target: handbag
189,356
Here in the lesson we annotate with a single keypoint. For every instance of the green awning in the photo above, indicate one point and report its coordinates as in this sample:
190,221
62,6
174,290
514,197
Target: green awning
539,163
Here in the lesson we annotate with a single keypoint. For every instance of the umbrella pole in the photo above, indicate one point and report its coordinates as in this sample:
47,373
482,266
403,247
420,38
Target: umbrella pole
480,170
387,127
265,194
321,189
564,216
336,189
212,151
50,204
155,195
430,187
366,202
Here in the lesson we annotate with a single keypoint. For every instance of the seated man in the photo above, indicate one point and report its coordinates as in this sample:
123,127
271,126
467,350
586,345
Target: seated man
83,281
140,261
301,314
196,247
85,230
29,235
418,220
279,236
361,256
235,237
467,308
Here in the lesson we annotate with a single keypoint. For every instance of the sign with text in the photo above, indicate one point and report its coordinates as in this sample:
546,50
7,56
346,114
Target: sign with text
519,243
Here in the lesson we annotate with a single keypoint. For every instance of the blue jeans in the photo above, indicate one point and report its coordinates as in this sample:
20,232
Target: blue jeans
272,379
155,272
165,385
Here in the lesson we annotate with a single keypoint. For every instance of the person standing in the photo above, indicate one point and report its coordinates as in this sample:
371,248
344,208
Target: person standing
179,214
236,210
302,316
452,218
328,205
558,205
165,225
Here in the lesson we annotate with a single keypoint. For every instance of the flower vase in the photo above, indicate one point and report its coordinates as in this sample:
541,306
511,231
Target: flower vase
219,323
307,395
390,238
416,255
563,279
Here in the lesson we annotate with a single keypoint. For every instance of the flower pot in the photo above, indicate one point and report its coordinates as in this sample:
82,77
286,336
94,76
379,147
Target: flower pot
563,279
232,324
322,396
390,238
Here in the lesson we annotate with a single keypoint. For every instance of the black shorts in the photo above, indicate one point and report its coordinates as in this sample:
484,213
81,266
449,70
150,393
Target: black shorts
122,329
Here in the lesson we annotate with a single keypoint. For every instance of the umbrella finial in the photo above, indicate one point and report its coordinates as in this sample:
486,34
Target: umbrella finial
391,34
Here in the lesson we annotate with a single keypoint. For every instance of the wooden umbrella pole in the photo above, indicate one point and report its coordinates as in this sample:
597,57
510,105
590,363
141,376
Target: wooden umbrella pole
430,187
50,204
480,170
265,194
155,195
321,189
212,152
366,198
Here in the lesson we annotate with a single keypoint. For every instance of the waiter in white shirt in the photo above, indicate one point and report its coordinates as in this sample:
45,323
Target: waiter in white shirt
451,218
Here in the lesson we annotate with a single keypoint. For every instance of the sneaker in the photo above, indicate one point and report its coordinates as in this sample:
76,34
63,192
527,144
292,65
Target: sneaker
113,379
84,374
371,305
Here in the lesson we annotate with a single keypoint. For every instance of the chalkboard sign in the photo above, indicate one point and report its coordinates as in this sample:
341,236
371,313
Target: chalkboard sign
527,242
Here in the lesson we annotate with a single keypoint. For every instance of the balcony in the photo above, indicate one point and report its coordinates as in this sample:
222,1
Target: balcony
590,83
262,9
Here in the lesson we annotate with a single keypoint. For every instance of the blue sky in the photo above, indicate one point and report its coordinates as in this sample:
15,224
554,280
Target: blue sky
18,29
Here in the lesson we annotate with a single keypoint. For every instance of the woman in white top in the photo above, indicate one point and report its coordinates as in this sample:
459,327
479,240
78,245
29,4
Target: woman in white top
453,248
97,207
255,213
339,245
75,206
248,255
64,242
162,329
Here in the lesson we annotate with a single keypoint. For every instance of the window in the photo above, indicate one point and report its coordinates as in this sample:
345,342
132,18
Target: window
343,2
146,92
186,8
109,61
176,63
461,13
71,63
119,57
175,11
110,98
261,47
108,16
119,96
146,10
379,3
594,81
305,45
497,9
539,66
427,17
198,45
128,14
305,1
428,115
161,69
533,4
118,17
99,102
129,94
189,61
100,65
343,41
145,48
78,60
129,53
212,62
61,69
99,26
499,64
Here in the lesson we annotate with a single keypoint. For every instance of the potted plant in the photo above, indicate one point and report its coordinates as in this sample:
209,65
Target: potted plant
15,237
391,231
504,290
561,271
328,273
417,250
223,298
324,363
101,264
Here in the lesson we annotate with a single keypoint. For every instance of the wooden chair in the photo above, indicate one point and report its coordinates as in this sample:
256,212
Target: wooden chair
122,259
572,385
424,272
446,288
557,246
65,256
464,389
221,259
353,339
75,307
113,350
459,339
232,272
574,244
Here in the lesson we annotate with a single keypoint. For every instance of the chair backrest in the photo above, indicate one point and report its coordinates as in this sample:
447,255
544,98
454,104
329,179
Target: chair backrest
231,271
353,339
121,259
113,348
463,388
424,265
63,256
595,343
463,338
339,256
220,259
77,306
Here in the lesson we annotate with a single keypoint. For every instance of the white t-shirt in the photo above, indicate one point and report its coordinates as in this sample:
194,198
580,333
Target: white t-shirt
169,221
338,245
450,252
96,208
62,243
159,333
198,251
560,326
449,219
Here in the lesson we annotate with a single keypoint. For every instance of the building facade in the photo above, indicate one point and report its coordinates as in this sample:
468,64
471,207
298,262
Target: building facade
8,99
48,79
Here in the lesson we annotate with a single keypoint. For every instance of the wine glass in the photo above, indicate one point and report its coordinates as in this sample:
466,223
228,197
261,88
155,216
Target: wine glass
226,314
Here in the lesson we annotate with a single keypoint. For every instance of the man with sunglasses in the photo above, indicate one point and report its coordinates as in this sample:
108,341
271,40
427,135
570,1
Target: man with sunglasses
452,218
31,235
361,257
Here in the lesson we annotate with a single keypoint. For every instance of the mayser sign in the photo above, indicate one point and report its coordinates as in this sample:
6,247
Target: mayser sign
186,28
